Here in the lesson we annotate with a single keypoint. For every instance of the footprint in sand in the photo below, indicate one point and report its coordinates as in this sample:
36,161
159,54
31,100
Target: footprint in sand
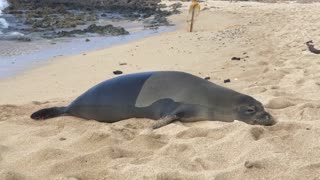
168,175
42,156
3,149
124,133
279,103
149,142
279,93
7,111
202,163
192,132
176,149
255,90
117,152
285,128
256,132
309,113
66,178
11,175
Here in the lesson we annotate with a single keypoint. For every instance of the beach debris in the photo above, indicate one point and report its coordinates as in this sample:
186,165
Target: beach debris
311,47
122,64
250,164
40,103
207,78
235,59
227,81
62,139
206,8
117,72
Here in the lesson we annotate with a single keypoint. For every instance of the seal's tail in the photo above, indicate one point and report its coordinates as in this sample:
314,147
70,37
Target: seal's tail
47,113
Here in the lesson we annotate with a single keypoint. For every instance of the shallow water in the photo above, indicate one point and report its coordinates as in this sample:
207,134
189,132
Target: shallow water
26,55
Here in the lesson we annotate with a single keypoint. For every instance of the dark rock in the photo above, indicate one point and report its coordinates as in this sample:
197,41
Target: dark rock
207,78
122,64
235,59
106,30
117,72
101,30
24,39
227,81
87,40
175,7
156,21
70,33
311,47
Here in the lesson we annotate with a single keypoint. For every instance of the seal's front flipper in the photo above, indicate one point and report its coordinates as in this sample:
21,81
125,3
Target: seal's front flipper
164,121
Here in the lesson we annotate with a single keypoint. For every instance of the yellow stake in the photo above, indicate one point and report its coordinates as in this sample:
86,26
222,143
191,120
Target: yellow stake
194,10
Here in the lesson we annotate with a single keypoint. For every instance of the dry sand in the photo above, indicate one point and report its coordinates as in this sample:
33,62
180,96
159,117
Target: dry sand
276,69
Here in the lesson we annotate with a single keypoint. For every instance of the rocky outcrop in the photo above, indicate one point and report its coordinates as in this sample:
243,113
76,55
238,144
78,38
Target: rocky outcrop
107,30
53,16
57,21
139,5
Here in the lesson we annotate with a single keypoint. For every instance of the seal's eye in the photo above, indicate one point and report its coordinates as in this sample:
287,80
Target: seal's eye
251,110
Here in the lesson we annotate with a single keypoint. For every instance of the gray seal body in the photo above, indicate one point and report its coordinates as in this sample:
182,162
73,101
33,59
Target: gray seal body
165,96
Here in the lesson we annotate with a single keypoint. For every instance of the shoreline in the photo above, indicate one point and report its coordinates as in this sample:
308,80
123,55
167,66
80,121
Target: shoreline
16,64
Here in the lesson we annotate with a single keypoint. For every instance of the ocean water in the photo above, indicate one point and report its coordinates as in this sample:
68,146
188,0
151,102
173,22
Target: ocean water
3,23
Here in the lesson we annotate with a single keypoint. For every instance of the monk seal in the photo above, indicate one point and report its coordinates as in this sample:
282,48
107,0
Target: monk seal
165,96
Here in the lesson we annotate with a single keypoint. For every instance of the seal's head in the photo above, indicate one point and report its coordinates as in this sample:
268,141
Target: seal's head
251,111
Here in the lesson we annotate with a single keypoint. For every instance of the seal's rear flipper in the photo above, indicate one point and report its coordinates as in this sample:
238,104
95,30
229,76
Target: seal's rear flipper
164,121
48,113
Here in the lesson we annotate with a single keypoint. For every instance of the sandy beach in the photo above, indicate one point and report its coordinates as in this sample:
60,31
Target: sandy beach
275,67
